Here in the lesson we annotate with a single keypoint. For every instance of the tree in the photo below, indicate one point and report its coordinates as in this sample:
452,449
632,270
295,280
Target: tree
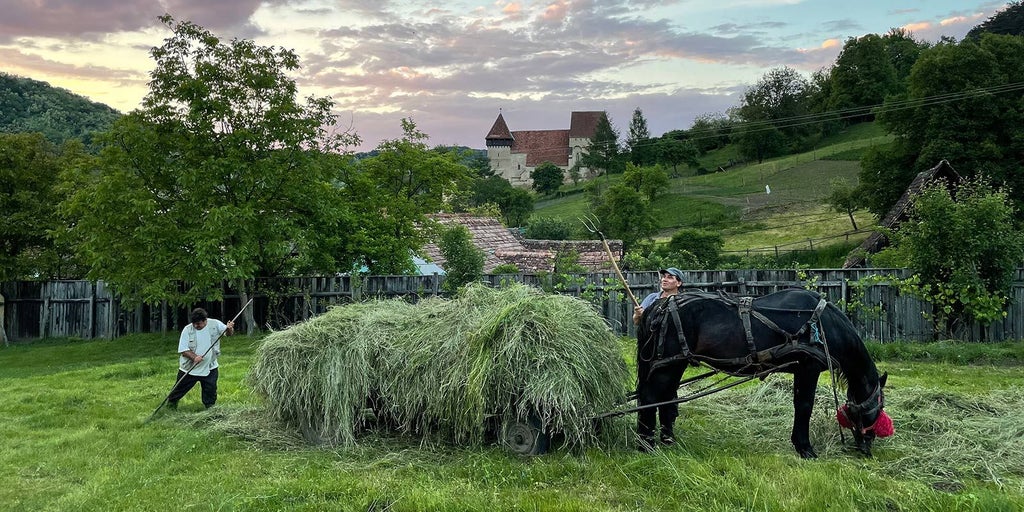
464,262
966,114
649,180
515,204
767,110
603,153
28,177
964,251
862,76
706,246
639,143
844,199
709,131
548,228
625,214
1008,21
674,152
547,178
221,174
397,188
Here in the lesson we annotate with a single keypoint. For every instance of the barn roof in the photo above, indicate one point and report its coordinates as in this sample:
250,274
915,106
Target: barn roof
542,146
583,125
901,211
502,245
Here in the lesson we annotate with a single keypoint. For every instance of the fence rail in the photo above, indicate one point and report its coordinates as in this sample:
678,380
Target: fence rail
85,309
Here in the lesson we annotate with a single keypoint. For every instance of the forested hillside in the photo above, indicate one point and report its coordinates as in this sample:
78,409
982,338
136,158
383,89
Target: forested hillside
28,105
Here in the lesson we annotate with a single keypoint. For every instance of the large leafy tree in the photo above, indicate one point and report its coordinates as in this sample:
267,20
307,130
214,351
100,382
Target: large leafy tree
625,214
770,112
651,180
221,174
394,191
547,178
862,76
29,168
515,204
970,114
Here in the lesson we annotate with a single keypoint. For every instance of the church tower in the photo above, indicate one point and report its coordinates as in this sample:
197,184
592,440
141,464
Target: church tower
499,148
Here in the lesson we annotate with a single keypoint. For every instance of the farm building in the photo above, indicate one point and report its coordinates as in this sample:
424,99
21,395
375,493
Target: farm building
515,154
502,245
901,211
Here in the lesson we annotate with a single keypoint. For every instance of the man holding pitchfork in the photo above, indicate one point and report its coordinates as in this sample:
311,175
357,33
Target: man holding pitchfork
199,337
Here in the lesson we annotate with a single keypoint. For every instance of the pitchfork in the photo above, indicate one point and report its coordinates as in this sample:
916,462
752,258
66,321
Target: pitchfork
591,222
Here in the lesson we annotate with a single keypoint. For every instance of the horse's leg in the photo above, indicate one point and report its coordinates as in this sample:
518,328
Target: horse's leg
805,382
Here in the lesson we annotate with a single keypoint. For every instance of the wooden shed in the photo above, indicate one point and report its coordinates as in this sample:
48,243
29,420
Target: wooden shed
901,211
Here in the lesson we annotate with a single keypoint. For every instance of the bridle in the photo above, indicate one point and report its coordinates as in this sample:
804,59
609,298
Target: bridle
873,404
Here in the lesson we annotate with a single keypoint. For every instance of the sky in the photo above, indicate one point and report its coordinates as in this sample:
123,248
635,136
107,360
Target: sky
453,66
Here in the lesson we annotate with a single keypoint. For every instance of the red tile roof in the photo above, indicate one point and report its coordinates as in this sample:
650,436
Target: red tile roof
502,245
499,130
583,125
542,146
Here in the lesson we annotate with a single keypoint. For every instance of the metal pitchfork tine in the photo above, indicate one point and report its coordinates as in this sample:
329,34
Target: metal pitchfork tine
590,222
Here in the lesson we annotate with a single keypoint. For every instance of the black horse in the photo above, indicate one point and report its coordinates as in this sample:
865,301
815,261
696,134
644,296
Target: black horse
788,331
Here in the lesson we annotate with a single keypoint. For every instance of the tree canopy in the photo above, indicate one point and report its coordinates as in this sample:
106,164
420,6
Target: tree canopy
970,114
222,174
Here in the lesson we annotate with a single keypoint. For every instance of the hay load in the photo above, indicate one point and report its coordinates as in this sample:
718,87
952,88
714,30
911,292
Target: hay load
447,370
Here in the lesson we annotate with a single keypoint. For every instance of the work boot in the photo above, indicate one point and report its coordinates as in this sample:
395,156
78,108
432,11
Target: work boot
667,437
646,444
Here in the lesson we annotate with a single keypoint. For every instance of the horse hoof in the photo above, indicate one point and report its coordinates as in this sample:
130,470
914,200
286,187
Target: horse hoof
808,454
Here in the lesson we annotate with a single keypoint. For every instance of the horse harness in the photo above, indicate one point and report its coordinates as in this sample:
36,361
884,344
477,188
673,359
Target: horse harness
766,360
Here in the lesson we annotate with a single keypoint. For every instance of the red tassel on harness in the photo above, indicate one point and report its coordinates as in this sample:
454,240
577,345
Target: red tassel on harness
883,426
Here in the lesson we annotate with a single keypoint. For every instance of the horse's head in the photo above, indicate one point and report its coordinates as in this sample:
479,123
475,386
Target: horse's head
866,418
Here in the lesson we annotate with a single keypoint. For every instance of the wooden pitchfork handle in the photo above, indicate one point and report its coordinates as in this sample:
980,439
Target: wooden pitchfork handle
592,227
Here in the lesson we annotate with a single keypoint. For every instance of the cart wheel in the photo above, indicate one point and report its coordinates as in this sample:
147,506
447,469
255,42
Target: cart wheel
526,438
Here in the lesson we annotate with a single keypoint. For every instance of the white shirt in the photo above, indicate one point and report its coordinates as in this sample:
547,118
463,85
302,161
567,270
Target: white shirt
213,331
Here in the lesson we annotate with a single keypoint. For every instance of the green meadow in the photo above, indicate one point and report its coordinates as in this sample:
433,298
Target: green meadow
75,437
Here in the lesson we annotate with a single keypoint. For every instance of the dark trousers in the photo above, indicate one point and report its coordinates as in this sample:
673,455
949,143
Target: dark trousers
208,384
659,385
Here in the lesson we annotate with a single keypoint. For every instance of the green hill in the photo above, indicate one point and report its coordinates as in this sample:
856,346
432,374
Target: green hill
28,105
775,206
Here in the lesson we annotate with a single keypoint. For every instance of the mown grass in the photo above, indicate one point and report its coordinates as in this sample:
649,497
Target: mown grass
75,438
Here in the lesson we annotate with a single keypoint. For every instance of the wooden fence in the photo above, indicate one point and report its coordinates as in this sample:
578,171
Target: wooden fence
83,309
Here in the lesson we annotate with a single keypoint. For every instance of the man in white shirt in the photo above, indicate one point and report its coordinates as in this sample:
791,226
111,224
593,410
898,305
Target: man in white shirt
198,361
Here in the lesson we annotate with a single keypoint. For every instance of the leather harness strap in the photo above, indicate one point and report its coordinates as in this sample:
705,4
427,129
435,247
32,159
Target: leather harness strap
757,359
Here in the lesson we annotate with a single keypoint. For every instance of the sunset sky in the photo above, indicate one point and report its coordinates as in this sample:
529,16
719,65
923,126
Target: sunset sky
451,65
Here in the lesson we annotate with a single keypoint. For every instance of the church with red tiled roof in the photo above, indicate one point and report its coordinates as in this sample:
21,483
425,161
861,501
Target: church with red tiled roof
515,154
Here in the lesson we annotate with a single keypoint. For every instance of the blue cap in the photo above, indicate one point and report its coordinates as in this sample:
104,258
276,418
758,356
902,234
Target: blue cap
674,271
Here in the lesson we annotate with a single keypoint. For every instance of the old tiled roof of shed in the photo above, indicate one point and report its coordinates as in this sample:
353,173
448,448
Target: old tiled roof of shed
901,210
502,245
584,124
542,146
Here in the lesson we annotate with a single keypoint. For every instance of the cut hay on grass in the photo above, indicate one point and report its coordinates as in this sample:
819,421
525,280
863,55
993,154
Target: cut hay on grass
446,370
942,438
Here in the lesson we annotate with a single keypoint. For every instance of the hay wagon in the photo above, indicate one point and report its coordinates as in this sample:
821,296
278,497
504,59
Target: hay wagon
511,364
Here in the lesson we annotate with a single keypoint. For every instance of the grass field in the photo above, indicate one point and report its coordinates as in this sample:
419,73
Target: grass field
737,202
75,438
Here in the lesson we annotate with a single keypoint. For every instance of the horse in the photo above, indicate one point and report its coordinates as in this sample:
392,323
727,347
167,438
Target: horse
793,330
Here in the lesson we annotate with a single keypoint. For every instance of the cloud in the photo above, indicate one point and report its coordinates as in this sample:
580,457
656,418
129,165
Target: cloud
79,19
